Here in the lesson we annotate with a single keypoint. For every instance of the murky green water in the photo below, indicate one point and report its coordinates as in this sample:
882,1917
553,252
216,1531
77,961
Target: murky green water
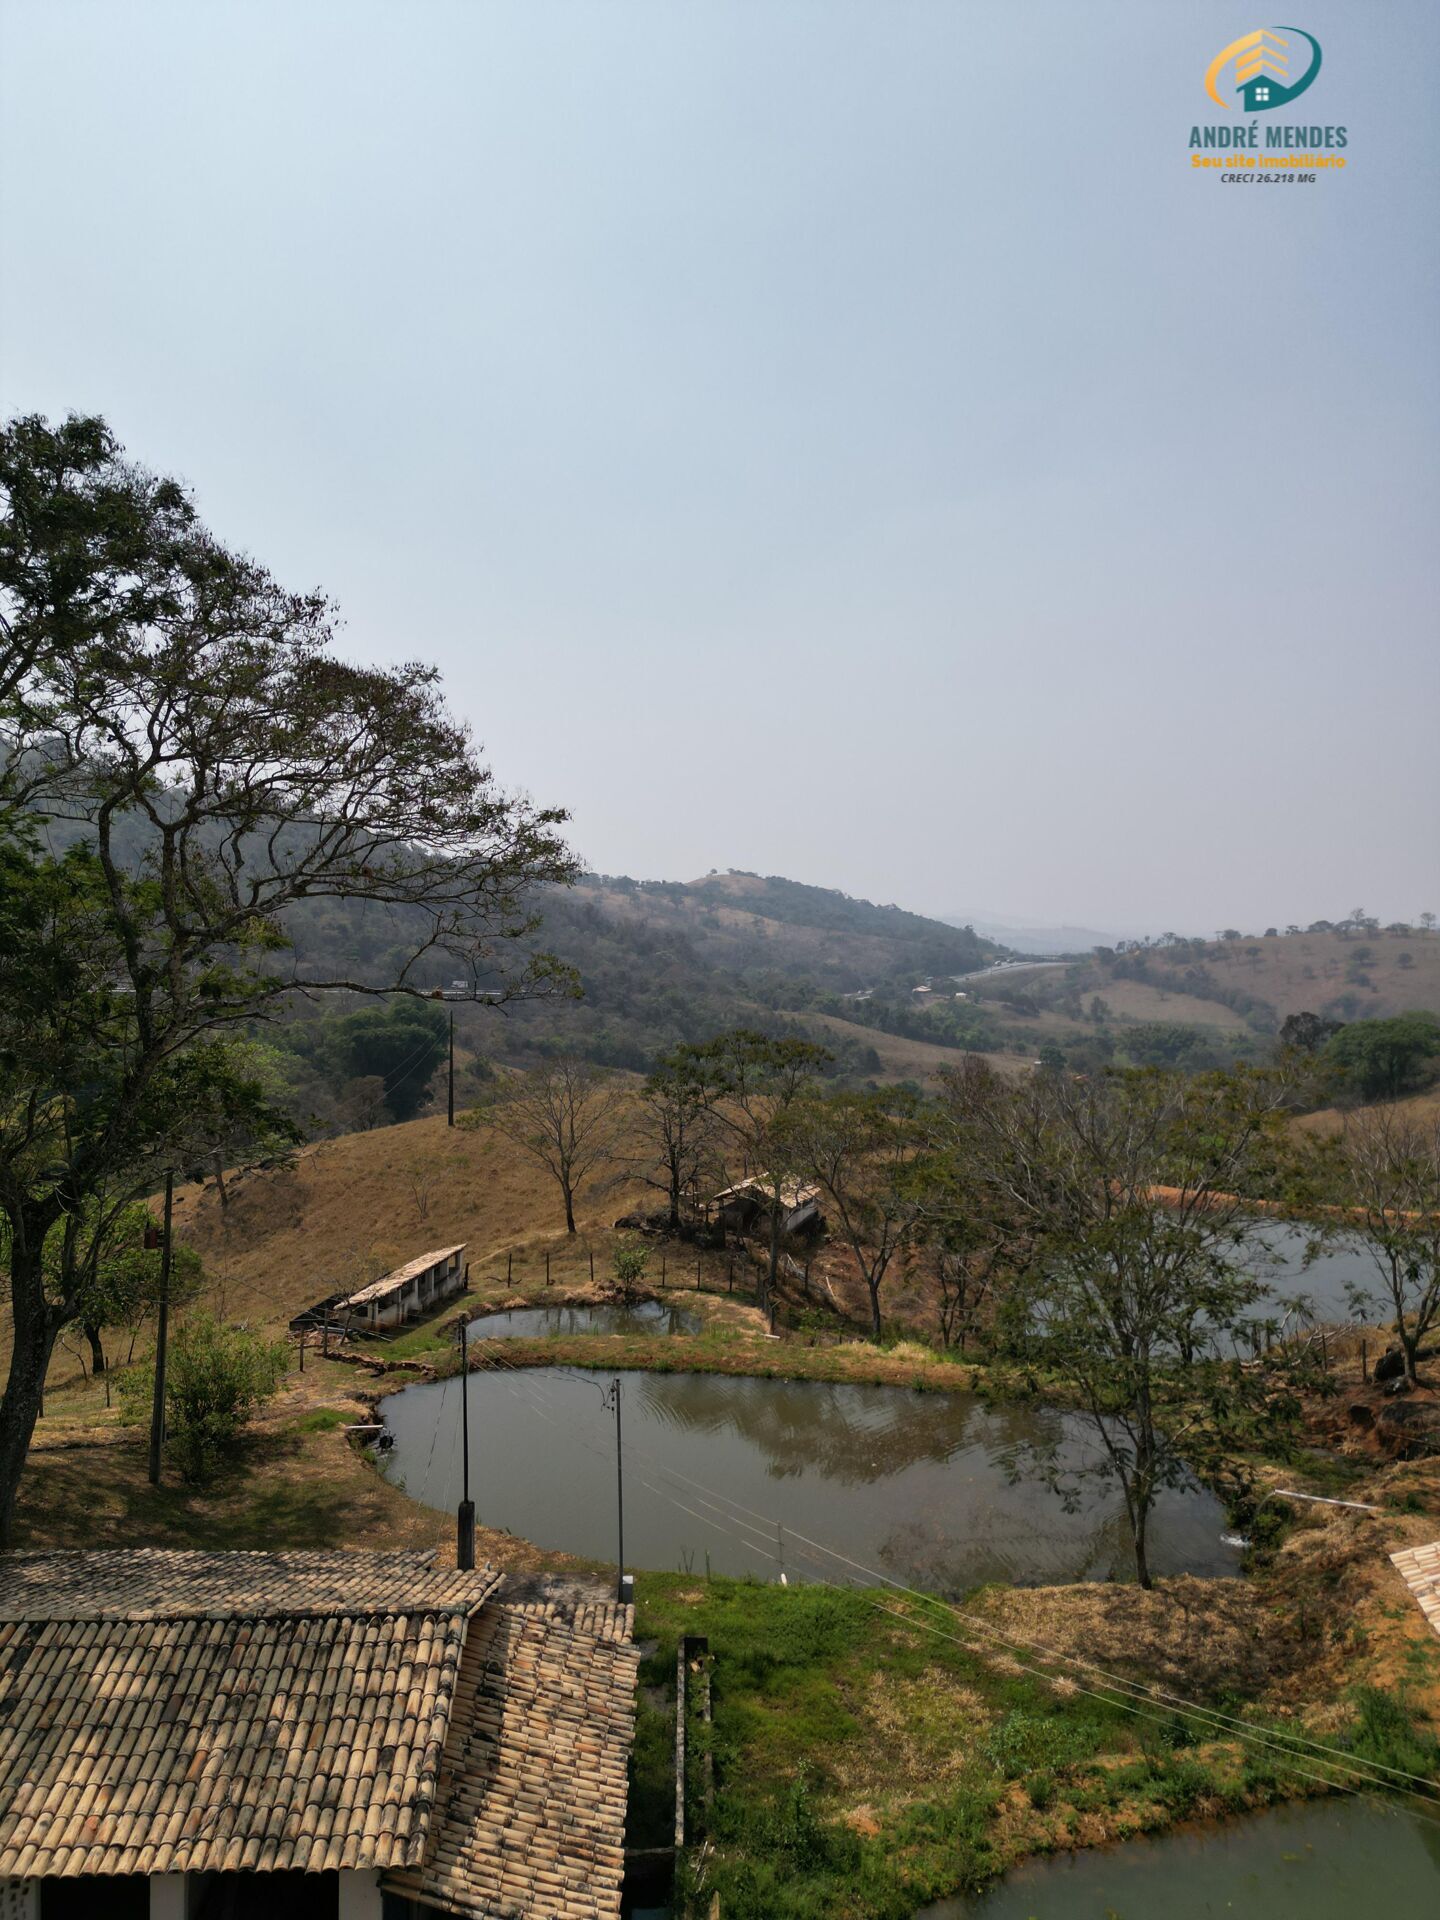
534,1323
931,1489
1336,1859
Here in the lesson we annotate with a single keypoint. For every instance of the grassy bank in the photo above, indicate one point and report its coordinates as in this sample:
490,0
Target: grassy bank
868,1758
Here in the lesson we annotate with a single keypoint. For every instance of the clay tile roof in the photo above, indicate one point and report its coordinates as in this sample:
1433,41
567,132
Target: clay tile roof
156,1584
164,1712
530,1807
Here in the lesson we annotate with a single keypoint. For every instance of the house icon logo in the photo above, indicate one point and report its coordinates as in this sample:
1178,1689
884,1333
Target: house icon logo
1263,77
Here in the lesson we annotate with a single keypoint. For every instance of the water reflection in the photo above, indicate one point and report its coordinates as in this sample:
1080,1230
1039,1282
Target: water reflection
1324,1283
734,1470
535,1323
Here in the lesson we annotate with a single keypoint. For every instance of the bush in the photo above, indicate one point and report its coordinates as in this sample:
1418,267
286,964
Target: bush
630,1264
1024,1743
216,1379
1389,1735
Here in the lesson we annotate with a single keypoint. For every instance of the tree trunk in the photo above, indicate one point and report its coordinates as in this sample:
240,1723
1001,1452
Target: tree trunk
874,1286
20,1408
97,1351
674,1199
220,1181
569,1211
1142,1558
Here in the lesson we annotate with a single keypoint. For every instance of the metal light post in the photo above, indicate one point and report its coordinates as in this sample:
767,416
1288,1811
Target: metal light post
465,1522
621,1593
162,1337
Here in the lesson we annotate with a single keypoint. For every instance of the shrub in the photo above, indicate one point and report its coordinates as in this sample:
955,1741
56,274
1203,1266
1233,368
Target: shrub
630,1264
217,1377
1025,1743
1387,1733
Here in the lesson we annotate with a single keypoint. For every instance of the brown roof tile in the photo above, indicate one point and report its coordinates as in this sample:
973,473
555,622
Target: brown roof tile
530,1806
170,1711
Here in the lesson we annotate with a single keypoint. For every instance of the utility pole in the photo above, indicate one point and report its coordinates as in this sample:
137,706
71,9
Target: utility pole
465,1529
450,1121
614,1397
162,1336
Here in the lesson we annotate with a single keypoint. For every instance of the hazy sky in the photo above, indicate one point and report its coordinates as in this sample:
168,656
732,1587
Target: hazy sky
841,440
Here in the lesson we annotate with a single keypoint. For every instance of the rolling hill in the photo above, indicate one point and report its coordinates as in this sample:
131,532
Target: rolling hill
664,961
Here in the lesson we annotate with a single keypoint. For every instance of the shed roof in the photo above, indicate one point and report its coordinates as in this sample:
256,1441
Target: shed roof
402,1276
791,1196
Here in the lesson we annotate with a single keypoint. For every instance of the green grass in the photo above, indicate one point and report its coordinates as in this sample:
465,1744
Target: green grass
322,1420
799,1675
860,1761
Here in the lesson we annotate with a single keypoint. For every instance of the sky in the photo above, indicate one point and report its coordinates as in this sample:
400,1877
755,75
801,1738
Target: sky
847,441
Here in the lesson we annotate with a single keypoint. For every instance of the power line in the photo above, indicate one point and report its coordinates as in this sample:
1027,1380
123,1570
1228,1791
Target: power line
1229,1725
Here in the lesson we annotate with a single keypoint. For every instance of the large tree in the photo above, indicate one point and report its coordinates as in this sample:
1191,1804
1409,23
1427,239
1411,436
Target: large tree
1143,1255
1387,1164
1383,1059
182,761
752,1080
866,1153
563,1113
677,1130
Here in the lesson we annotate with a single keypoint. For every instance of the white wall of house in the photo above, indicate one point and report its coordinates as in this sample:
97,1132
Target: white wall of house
360,1897
167,1897
19,1900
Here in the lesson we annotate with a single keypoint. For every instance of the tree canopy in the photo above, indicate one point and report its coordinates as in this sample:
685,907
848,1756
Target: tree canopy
183,760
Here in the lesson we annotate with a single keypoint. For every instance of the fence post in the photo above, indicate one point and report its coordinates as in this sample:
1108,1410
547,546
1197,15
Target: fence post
697,1270
1364,1360
547,1267
730,1274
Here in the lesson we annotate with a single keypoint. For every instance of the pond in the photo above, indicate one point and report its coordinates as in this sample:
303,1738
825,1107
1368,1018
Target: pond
1324,1282
534,1323
931,1489
1319,1860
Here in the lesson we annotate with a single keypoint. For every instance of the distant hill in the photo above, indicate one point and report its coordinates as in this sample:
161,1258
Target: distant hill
1026,936
1235,992
666,961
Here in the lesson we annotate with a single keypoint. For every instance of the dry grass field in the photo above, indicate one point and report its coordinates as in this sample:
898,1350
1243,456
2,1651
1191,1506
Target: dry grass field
1386,973
904,1059
1135,1000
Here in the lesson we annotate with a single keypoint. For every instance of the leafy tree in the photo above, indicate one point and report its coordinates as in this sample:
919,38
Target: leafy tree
401,1044
864,1151
1388,1189
630,1264
203,767
217,1378
117,1274
1307,1032
1383,1059
563,1114
751,1080
1142,1256
1161,1043
678,1128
